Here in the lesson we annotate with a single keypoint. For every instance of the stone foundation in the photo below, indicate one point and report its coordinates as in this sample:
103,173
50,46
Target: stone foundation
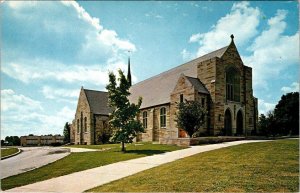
199,140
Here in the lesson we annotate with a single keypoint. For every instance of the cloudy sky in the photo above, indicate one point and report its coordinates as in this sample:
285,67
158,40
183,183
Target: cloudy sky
50,49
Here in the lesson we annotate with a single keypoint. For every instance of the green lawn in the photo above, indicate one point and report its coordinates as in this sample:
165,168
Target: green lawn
9,151
81,161
254,167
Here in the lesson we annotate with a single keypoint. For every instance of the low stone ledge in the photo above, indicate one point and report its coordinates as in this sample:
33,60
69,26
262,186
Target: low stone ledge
199,140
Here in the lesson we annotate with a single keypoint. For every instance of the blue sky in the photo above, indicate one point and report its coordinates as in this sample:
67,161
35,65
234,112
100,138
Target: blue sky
50,49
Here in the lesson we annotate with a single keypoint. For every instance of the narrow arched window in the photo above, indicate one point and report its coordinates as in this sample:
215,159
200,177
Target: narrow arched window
85,124
232,85
181,98
145,117
163,117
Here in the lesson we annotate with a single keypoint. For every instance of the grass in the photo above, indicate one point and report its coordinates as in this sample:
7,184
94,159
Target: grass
8,151
254,167
82,161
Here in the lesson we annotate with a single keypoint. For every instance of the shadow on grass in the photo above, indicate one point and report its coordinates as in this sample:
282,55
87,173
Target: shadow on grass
145,152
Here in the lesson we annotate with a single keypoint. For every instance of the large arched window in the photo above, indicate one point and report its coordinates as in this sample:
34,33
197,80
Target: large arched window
163,117
232,85
145,119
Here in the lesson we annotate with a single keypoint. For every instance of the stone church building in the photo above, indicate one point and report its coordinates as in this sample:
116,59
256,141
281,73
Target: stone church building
218,80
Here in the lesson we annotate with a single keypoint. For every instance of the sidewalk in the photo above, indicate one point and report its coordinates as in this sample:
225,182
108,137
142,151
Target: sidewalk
84,180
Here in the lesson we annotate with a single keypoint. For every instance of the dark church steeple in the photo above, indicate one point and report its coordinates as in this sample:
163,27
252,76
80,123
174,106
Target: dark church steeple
129,72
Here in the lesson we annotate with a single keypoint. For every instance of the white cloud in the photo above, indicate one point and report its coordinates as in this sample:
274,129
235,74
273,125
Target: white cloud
82,14
21,115
294,87
242,21
272,51
72,40
29,71
186,55
109,38
59,93
12,101
264,107
196,37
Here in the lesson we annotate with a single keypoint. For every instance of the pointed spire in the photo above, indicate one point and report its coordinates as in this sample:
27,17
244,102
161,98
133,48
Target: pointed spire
129,72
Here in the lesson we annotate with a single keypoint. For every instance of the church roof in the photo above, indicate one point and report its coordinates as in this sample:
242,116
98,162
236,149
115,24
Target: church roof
157,89
198,85
98,101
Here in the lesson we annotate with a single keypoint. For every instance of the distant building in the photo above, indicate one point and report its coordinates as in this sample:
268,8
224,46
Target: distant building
218,80
34,140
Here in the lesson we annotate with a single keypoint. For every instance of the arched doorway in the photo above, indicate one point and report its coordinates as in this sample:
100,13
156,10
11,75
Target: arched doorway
227,123
239,123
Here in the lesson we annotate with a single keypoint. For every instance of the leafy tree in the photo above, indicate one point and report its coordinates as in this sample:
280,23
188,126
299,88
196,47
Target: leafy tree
263,125
272,125
287,113
13,140
2,142
122,120
190,116
67,133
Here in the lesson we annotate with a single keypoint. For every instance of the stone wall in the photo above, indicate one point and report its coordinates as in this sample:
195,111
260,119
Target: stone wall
186,89
212,73
154,132
82,112
99,126
206,71
72,131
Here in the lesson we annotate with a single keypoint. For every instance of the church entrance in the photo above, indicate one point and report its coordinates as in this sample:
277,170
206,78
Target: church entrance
239,123
228,123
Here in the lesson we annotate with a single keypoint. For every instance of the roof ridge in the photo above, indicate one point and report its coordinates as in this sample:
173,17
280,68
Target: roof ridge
188,77
95,90
181,65
191,77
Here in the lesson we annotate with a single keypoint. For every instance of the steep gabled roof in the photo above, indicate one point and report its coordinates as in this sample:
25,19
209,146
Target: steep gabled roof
198,85
98,101
156,90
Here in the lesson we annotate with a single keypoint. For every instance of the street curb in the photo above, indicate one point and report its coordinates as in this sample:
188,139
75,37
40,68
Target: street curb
12,154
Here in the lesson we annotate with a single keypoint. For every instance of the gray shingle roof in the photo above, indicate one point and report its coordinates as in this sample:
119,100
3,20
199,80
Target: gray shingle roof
98,101
198,85
156,90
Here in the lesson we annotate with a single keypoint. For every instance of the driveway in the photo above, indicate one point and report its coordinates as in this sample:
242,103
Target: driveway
31,158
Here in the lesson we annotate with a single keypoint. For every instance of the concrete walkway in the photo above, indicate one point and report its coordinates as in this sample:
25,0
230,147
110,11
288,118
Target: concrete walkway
84,180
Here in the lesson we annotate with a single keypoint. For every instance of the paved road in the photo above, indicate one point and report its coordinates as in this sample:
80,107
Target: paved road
84,180
31,158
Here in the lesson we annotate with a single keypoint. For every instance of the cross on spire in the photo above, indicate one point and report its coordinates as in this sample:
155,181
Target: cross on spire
232,37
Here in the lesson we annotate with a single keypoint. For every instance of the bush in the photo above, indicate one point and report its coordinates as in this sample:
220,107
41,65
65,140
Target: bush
55,144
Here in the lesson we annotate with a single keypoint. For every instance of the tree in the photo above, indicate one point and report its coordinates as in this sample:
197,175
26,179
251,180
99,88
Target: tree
190,116
122,119
13,140
287,113
263,125
272,124
67,133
